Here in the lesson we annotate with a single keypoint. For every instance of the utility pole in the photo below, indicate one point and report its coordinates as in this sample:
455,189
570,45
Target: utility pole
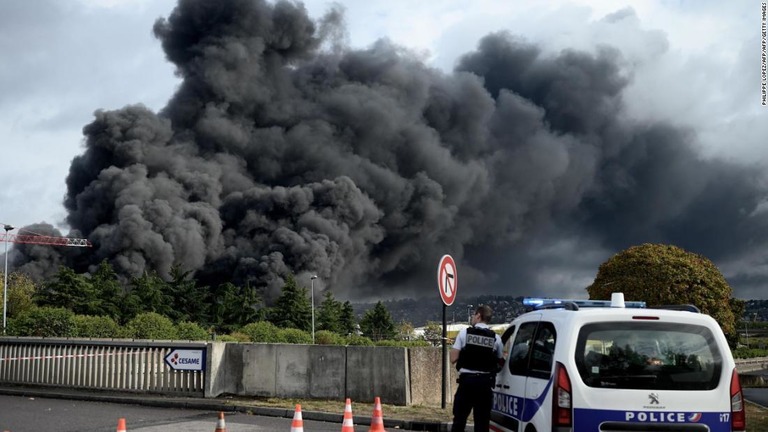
5,274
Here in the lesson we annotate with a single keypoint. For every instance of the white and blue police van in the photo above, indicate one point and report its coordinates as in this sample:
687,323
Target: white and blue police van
616,366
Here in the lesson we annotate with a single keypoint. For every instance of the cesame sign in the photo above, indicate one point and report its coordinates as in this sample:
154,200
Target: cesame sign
447,279
183,359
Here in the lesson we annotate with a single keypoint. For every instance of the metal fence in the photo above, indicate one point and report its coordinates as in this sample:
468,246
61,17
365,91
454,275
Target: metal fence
119,365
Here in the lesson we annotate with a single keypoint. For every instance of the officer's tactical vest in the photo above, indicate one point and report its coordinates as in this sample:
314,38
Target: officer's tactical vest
478,353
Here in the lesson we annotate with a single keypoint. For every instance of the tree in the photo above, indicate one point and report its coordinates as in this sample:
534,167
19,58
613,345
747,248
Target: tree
108,290
329,314
292,309
433,332
187,299
377,324
665,274
347,321
404,330
149,294
21,291
70,290
234,306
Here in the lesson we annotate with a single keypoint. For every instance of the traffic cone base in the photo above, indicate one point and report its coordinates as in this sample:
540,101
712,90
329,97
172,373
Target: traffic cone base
348,424
377,420
298,422
221,425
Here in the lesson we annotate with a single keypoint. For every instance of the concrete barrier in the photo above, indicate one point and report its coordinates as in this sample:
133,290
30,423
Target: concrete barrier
427,376
327,372
378,371
751,364
258,365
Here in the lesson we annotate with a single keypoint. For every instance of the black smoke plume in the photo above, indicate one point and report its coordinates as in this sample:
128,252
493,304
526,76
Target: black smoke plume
283,151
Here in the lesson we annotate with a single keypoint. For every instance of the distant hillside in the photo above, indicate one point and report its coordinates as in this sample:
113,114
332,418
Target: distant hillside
419,311
756,310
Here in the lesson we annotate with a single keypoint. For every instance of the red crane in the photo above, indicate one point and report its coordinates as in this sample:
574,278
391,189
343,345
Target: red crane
45,240
32,239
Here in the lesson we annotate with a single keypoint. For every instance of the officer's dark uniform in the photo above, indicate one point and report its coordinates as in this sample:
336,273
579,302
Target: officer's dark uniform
478,364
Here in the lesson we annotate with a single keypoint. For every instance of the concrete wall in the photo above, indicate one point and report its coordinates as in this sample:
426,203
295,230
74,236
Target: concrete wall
258,364
378,371
426,379
327,372
314,371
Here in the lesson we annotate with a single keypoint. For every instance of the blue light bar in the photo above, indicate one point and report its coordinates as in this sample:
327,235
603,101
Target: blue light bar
541,301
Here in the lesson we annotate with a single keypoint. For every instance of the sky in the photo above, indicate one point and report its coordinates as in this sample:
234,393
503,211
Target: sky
556,134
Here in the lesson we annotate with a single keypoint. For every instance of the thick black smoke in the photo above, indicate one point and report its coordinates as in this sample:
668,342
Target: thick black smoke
278,154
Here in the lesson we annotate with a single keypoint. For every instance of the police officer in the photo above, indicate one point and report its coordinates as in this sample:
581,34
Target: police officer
477,354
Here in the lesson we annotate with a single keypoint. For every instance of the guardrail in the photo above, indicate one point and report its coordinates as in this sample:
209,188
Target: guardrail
120,365
752,364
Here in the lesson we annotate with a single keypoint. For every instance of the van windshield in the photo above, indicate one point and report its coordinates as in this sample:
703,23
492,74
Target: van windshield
648,355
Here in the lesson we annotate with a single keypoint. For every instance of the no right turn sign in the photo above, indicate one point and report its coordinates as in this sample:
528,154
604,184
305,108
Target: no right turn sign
447,279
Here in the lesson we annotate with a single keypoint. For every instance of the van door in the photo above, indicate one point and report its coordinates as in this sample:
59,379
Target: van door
540,374
509,394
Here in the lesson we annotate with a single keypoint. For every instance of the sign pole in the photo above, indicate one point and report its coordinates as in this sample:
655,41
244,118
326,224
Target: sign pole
447,284
445,359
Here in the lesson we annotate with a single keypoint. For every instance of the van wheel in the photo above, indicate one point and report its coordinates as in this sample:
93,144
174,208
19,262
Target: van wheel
530,428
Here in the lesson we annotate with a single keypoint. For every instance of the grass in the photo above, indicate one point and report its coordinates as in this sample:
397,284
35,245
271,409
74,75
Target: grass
757,416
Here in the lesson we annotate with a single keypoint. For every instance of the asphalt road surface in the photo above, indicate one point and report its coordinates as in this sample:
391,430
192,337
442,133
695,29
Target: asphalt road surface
27,414
756,395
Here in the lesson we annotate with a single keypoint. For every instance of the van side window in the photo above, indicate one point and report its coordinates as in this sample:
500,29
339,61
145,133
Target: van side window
518,355
506,340
543,350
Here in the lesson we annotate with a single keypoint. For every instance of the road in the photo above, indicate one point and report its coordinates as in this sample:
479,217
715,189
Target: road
35,414
39,414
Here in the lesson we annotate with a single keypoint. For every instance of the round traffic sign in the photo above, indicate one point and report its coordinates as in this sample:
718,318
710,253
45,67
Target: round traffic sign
447,279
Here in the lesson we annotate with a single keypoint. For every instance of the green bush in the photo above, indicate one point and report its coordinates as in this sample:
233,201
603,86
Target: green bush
746,353
238,336
262,331
325,337
186,330
294,336
45,322
87,326
403,343
229,338
150,325
359,340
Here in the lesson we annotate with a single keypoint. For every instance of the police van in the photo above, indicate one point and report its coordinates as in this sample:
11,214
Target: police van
616,366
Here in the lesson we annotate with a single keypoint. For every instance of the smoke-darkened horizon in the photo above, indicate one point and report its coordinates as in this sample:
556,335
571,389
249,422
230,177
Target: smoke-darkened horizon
284,151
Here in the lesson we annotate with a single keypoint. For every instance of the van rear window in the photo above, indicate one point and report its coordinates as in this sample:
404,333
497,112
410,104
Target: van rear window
648,355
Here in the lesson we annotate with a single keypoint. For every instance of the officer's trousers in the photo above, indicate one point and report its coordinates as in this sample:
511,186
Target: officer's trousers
475,393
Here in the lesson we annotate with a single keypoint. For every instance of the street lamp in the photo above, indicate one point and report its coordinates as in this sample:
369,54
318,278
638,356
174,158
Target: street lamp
7,228
312,283
469,314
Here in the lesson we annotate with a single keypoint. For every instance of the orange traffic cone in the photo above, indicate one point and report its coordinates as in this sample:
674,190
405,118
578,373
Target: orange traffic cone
221,425
377,421
348,425
121,425
298,422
